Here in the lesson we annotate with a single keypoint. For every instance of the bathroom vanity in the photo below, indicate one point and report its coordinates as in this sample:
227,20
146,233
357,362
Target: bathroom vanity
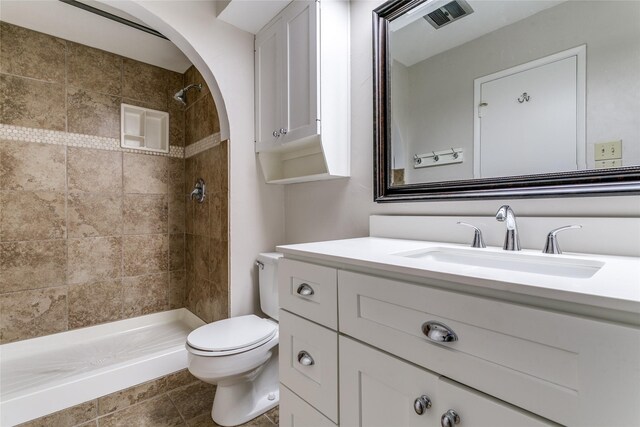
380,332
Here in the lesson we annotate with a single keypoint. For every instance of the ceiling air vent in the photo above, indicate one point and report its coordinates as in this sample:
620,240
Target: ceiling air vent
448,13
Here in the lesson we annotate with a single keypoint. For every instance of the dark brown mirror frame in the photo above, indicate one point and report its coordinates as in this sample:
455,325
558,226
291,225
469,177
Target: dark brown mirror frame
598,182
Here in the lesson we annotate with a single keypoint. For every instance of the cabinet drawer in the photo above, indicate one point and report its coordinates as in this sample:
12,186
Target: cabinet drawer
308,362
551,364
377,389
295,412
309,290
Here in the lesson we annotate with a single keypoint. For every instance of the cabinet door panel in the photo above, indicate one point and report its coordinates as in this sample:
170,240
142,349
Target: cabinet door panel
268,82
380,390
295,412
301,71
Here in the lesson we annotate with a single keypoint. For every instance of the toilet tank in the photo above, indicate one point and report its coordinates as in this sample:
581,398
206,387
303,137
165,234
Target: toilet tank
268,281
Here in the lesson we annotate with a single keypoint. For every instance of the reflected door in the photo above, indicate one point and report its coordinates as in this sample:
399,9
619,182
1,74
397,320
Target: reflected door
529,120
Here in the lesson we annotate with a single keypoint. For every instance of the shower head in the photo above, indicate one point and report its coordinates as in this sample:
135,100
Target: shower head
181,95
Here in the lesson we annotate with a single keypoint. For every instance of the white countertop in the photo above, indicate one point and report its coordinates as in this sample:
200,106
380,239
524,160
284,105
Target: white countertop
615,286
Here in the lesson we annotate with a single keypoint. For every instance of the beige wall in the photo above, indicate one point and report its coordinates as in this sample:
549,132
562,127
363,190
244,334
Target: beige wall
87,235
341,208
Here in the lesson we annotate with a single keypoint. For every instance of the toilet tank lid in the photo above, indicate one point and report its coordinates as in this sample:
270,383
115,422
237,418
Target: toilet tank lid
231,334
269,257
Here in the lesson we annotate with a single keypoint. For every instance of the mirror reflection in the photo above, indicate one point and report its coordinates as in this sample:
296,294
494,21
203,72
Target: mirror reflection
486,89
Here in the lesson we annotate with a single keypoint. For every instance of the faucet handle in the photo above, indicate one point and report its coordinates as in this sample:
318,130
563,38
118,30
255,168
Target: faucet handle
552,247
478,241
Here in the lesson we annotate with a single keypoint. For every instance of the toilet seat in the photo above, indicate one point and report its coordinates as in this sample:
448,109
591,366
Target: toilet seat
231,336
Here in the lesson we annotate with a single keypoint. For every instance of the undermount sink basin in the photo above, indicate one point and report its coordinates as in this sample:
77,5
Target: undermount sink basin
550,265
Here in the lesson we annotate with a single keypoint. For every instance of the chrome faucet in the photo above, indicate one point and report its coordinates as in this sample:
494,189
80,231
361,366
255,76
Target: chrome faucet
198,192
511,239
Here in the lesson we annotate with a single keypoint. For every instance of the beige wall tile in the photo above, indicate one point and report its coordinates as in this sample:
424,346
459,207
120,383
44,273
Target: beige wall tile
94,171
94,303
144,254
201,218
32,166
201,120
177,288
93,69
145,174
218,216
32,103
145,294
158,412
176,124
33,313
93,113
145,82
177,212
31,54
198,297
92,215
201,257
93,259
176,177
176,252
218,259
145,214
130,396
190,252
193,76
219,301
32,215
32,265
67,417
194,399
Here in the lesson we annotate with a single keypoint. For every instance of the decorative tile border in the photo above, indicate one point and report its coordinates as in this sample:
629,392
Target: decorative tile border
25,134
202,145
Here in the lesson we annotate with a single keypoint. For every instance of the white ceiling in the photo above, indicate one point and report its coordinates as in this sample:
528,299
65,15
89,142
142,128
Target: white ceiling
71,23
250,15
413,39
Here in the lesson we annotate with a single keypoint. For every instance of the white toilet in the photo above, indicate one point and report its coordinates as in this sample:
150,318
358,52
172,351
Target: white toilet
240,355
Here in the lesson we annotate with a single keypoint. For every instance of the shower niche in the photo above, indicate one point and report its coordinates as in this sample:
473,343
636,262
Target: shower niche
144,129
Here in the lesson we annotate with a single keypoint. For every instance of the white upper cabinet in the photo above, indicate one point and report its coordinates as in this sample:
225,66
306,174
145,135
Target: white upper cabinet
302,93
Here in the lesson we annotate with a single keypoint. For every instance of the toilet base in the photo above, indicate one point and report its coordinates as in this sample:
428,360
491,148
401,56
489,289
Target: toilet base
237,403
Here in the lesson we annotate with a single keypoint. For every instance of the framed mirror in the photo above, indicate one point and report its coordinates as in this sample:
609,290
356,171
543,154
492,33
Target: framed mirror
506,99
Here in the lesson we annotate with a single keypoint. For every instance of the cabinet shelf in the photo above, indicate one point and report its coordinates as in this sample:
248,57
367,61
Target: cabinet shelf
144,129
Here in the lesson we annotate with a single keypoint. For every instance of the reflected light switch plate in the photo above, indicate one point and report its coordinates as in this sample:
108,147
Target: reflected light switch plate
608,150
605,164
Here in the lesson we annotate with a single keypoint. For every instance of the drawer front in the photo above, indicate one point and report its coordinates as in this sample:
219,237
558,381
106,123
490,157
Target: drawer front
308,362
309,290
295,412
550,364
377,389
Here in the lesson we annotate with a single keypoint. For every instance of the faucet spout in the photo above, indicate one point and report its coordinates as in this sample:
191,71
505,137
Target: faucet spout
512,239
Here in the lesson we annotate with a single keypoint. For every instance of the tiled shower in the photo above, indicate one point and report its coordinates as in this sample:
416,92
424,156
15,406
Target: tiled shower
92,233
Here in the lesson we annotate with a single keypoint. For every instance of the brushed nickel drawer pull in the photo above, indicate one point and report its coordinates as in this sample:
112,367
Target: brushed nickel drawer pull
305,358
450,418
305,290
438,332
421,404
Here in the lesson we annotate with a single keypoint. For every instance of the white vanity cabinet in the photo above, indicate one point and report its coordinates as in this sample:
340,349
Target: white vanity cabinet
486,360
302,92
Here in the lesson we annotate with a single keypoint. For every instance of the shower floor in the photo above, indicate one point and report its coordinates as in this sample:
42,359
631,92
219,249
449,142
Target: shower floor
47,374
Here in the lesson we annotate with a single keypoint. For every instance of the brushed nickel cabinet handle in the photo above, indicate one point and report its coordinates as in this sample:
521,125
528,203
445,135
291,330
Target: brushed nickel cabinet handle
438,332
305,290
421,404
305,358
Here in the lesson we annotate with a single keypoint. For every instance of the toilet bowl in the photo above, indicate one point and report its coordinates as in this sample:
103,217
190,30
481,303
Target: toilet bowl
240,356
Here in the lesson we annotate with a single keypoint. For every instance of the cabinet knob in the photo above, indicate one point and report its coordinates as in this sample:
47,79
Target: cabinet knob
276,133
450,418
421,404
305,358
438,332
283,131
305,290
